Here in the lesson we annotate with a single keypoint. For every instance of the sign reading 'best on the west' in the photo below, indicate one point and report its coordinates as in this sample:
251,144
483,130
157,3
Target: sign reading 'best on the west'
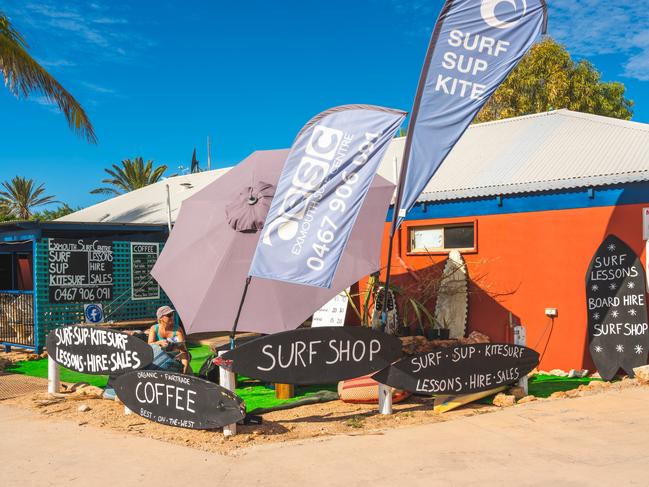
315,355
179,400
92,350
80,270
460,369
617,309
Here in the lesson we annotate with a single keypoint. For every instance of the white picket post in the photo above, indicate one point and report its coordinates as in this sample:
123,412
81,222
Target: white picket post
385,399
53,376
229,382
520,338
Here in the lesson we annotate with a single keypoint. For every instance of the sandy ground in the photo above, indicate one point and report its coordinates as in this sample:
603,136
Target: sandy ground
600,439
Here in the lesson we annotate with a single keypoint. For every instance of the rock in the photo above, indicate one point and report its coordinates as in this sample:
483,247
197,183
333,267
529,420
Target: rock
526,399
599,384
83,408
642,374
558,395
595,375
574,393
577,373
504,401
558,373
475,337
518,392
89,392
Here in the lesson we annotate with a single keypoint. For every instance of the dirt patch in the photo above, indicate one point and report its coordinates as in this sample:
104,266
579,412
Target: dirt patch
313,421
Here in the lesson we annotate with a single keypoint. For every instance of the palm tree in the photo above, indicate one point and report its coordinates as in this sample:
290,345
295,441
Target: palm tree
133,174
23,76
20,195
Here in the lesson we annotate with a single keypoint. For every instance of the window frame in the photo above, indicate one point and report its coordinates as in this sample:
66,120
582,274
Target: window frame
443,251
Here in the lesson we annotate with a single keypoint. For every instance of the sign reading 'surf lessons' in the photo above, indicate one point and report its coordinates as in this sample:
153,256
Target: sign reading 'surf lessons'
80,270
617,309
315,355
460,369
143,257
179,400
92,350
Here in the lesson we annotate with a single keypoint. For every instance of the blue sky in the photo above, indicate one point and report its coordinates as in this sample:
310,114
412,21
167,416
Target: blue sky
157,77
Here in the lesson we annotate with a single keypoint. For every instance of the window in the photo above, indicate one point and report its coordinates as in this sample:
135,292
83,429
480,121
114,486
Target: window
440,238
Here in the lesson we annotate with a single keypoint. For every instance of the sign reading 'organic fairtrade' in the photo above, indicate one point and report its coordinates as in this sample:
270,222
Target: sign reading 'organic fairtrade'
460,369
80,270
179,400
617,309
315,355
143,258
92,350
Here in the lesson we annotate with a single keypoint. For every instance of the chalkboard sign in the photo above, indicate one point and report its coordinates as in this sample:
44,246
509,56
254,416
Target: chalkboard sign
143,258
616,304
460,369
80,270
315,355
99,351
179,400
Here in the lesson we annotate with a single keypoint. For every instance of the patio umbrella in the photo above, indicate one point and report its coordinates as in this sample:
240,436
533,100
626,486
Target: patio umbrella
204,265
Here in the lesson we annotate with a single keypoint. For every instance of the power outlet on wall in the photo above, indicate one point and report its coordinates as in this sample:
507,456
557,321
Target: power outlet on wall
551,312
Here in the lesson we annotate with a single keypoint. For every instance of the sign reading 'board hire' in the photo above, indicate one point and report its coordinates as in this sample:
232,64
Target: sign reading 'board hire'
460,369
617,310
315,355
92,350
179,400
143,258
80,270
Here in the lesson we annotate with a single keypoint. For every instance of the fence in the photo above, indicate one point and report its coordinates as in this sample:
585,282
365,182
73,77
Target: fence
17,317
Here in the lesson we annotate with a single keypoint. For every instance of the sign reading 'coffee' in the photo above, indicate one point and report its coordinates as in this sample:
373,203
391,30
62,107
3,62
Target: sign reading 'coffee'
460,369
315,355
80,270
179,400
617,309
92,350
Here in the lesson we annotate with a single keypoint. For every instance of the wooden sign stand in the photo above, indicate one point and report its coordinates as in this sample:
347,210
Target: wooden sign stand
284,391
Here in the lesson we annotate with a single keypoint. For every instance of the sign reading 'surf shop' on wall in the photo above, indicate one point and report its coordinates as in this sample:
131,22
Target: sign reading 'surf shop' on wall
80,270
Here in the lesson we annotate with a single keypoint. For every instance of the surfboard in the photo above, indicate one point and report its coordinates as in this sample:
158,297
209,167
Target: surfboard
451,310
444,404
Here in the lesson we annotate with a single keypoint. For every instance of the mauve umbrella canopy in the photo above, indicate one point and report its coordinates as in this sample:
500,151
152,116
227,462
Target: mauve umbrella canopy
205,262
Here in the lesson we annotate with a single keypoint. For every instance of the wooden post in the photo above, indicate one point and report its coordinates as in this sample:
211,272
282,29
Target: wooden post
520,338
53,376
228,381
284,391
385,399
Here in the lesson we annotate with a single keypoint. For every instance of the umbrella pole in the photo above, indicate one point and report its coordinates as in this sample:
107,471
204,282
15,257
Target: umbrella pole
236,320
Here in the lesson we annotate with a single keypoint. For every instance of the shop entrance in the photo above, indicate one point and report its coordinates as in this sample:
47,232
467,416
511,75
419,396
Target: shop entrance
17,294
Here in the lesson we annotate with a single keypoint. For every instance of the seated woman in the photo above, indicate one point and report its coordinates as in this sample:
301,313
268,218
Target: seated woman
170,339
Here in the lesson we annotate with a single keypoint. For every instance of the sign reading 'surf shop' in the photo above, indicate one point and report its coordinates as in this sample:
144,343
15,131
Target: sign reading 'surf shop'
320,192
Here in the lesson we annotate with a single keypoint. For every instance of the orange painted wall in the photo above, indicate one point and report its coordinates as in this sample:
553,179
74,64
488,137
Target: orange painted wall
541,258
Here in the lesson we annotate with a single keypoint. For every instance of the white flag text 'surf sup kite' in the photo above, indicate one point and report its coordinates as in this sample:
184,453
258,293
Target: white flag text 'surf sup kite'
320,192
475,45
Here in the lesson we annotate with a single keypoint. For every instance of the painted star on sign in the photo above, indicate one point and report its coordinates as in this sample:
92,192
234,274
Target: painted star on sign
595,287
619,348
598,349
613,286
631,285
633,312
596,316
611,247
615,313
639,349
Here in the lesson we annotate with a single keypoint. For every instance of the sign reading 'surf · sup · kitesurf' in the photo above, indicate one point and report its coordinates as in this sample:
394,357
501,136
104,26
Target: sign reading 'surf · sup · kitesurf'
617,310
315,355
460,369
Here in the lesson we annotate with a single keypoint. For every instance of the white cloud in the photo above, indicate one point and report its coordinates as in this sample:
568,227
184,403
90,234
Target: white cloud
98,88
604,27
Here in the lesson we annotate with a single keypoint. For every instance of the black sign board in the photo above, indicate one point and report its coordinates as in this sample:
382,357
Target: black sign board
143,258
80,270
618,335
179,400
460,369
315,355
98,351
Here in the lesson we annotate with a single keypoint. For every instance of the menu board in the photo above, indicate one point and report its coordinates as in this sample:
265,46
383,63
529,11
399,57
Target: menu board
333,313
618,332
80,270
143,258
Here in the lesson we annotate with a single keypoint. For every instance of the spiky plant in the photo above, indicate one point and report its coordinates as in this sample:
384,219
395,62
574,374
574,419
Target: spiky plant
132,174
24,76
21,195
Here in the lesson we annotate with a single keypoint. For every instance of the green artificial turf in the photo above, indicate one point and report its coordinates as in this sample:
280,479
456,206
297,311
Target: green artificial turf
545,385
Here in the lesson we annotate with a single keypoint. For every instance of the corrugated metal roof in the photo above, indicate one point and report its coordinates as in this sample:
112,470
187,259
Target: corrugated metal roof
542,152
